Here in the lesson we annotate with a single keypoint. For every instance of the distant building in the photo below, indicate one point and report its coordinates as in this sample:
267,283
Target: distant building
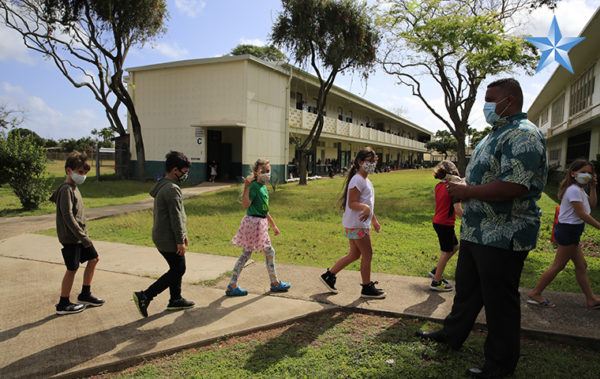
568,108
236,109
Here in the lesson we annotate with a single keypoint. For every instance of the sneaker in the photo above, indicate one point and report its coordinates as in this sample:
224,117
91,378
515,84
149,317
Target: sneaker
328,279
67,309
90,300
142,302
237,291
441,286
370,291
431,274
281,287
175,305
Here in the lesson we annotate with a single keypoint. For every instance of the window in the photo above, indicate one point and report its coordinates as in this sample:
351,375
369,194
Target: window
581,92
340,114
544,117
554,155
558,111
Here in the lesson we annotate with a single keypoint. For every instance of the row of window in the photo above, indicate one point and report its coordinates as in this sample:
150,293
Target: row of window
580,97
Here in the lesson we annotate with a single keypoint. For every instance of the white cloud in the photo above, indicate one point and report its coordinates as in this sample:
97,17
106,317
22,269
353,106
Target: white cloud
252,41
571,15
190,8
170,50
47,121
12,47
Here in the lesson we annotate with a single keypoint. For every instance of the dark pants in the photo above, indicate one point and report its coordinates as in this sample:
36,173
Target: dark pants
489,277
170,279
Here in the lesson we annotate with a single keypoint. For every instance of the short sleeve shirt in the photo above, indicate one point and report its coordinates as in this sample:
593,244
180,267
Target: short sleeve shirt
444,207
259,200
515,153
351,218
567,214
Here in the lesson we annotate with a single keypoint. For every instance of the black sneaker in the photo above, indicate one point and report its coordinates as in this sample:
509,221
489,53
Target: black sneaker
89,299
142,302
67,309
372,292
431,274
175,305
328,279
441,286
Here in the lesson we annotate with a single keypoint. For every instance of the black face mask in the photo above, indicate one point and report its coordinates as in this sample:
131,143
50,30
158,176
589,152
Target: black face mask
182,178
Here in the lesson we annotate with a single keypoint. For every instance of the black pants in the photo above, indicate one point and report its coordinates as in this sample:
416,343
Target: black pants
489,277
170,279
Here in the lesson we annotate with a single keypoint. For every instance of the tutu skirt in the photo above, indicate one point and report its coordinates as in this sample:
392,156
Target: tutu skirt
253,234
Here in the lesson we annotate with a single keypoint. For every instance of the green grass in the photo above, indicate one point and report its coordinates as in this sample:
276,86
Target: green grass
346,345
96,194
312,234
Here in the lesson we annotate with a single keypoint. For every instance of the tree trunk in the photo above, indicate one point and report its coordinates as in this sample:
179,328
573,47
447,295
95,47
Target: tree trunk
303,172
139,145
461,153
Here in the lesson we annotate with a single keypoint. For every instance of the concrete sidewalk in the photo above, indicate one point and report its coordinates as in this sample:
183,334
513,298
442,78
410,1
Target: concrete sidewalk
34,342
13,226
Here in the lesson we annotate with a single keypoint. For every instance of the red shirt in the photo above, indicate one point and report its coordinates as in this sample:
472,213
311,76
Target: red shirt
444,209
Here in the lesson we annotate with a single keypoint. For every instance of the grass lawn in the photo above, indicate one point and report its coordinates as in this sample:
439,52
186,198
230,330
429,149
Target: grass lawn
354,345
96,194
312,234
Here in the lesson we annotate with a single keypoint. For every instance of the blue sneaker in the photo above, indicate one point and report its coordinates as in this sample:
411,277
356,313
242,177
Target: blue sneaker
237,291
281,287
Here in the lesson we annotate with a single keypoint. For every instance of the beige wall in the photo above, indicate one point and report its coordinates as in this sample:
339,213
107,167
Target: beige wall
170,100
266,101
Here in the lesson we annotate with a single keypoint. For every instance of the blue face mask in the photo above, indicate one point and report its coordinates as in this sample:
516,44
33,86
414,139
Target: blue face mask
491,117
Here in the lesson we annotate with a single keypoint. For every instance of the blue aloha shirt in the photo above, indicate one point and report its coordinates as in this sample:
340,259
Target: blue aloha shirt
513,152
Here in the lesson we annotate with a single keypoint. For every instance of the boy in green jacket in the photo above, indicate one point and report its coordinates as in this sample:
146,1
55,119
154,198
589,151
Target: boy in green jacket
169,234
72,234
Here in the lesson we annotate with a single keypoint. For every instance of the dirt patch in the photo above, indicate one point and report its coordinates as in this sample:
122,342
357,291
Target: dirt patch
590,248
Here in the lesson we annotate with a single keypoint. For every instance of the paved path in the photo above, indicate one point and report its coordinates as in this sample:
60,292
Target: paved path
34,342
13,226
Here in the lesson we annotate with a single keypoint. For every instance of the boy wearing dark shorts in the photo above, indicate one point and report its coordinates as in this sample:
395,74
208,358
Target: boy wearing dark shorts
72,234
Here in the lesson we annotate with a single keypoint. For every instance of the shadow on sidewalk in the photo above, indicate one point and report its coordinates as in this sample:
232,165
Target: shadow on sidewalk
427,307
294,339
12,333
62,357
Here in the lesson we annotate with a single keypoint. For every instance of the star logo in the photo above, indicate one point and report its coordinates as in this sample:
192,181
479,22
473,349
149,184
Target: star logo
554,47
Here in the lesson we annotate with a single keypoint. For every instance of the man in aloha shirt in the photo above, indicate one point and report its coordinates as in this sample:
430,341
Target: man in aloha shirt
500,224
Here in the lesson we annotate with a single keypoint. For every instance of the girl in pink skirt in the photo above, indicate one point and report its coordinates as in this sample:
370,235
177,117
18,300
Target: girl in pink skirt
253,233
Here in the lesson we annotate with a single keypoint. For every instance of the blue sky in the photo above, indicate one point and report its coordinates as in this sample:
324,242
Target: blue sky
199,29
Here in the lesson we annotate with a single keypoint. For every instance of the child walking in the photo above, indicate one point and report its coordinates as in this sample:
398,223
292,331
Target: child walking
358,201
443,223
253,233
72,234
574,213
169,235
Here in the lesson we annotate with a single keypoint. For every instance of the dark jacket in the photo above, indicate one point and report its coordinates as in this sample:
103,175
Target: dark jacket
169,228
70,215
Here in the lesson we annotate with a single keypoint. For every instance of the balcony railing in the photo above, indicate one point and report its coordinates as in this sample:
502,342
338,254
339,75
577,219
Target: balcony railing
345,130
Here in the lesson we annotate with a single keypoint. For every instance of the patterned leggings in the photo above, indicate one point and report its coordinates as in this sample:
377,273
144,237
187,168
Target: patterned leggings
241,262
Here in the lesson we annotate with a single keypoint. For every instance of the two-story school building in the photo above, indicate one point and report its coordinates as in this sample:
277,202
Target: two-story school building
568,107
236,109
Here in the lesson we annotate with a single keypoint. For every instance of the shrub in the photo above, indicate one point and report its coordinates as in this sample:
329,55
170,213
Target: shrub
24,169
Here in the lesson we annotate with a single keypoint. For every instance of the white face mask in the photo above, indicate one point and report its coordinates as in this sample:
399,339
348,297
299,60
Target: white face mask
78,179
369,167
264,178
583,177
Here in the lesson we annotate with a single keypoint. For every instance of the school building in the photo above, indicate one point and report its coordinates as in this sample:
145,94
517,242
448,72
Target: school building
568,107
235,109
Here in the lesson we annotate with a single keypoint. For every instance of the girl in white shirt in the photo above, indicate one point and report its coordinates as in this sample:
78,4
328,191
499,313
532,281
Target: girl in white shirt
574,213
358,201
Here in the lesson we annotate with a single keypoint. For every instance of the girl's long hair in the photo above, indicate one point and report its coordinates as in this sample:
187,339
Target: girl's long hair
577,165
363,154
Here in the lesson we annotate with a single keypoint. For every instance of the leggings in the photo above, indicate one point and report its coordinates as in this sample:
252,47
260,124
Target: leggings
241,262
